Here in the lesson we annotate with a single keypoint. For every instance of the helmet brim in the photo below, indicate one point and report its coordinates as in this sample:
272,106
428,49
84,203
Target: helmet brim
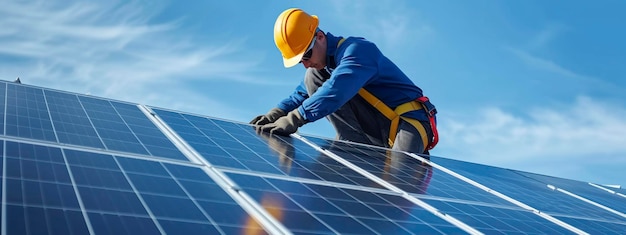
293,61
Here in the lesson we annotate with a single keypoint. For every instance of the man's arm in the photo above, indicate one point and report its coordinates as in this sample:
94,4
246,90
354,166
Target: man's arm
295,99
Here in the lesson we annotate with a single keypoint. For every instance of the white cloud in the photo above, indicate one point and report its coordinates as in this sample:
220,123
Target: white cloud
115,50
544,140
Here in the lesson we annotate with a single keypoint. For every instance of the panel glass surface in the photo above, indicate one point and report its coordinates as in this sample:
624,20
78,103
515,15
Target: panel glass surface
70,120
173,198
498,220
317,209
111,128
27,114
148,134
238,146
40,198
527,190
583,189
2,107
407,173
46,195
595,226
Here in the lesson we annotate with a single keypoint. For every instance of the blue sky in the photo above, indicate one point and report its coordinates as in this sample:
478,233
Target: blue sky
529,85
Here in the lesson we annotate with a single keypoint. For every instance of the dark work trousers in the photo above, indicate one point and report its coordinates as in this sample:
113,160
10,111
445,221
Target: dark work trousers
360,122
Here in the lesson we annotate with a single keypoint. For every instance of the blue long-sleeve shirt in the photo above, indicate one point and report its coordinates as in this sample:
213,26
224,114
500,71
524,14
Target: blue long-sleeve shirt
358,63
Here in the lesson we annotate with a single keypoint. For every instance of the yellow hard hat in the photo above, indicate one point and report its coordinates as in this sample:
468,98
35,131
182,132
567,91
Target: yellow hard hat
293,32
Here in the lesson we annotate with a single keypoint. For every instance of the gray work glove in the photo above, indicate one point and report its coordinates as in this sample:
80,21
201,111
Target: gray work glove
285,125
270,117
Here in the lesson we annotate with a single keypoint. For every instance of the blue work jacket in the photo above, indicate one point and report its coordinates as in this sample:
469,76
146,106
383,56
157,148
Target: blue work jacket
358,63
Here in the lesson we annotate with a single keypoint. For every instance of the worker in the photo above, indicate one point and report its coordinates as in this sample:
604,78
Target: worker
362,93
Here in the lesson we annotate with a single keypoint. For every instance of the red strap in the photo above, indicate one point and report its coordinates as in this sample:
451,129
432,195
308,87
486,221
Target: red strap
431,119
433,128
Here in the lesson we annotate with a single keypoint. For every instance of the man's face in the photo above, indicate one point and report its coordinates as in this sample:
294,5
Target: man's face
316,56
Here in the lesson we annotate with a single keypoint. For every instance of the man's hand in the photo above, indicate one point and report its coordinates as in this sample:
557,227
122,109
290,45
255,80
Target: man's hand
270,117
285,125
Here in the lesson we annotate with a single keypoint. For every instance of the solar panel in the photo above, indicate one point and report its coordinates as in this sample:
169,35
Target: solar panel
78,164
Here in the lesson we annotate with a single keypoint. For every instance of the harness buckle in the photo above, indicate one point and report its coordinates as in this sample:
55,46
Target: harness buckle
428,107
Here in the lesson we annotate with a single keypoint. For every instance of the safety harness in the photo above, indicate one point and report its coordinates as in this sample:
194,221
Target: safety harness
394,115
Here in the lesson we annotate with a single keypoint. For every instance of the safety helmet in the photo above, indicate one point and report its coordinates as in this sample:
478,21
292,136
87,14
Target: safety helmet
293,32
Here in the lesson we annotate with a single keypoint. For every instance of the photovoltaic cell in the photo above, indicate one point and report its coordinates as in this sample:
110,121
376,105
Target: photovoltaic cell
407,173
498,220
592,226
110,127
582,189
238,146
2,106
40,198
318,209
70,120
529,191
26,114
102,166
148,134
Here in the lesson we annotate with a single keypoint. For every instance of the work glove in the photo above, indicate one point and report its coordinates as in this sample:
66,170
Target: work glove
270,117
285,125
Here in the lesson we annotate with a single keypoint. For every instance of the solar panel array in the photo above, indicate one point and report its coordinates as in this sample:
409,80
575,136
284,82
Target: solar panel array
78,164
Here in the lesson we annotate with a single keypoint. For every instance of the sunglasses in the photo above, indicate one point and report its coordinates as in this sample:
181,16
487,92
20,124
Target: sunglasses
309,52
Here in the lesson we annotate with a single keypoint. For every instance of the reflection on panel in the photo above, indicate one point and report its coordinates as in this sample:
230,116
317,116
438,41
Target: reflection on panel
167,190
238,146
317,209
498,220
584,190
119,195
407,173
527,190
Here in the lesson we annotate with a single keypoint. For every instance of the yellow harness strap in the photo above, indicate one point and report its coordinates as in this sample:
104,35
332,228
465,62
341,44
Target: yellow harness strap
394,115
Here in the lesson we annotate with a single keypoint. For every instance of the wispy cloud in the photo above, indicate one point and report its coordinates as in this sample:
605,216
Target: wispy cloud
571,133
539,43
114,50
549,33
375,21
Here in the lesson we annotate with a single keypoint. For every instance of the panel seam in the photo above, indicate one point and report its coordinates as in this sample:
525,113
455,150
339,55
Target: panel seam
247,203
391,187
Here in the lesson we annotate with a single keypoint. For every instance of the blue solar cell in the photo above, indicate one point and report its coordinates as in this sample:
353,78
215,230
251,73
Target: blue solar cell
181,227
584,190
27,114
38,220
111,128
121,224
148,134
232,145
297,206
528,190
70,120
406,173
169,191
498,220
595,226
2,107
94,186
